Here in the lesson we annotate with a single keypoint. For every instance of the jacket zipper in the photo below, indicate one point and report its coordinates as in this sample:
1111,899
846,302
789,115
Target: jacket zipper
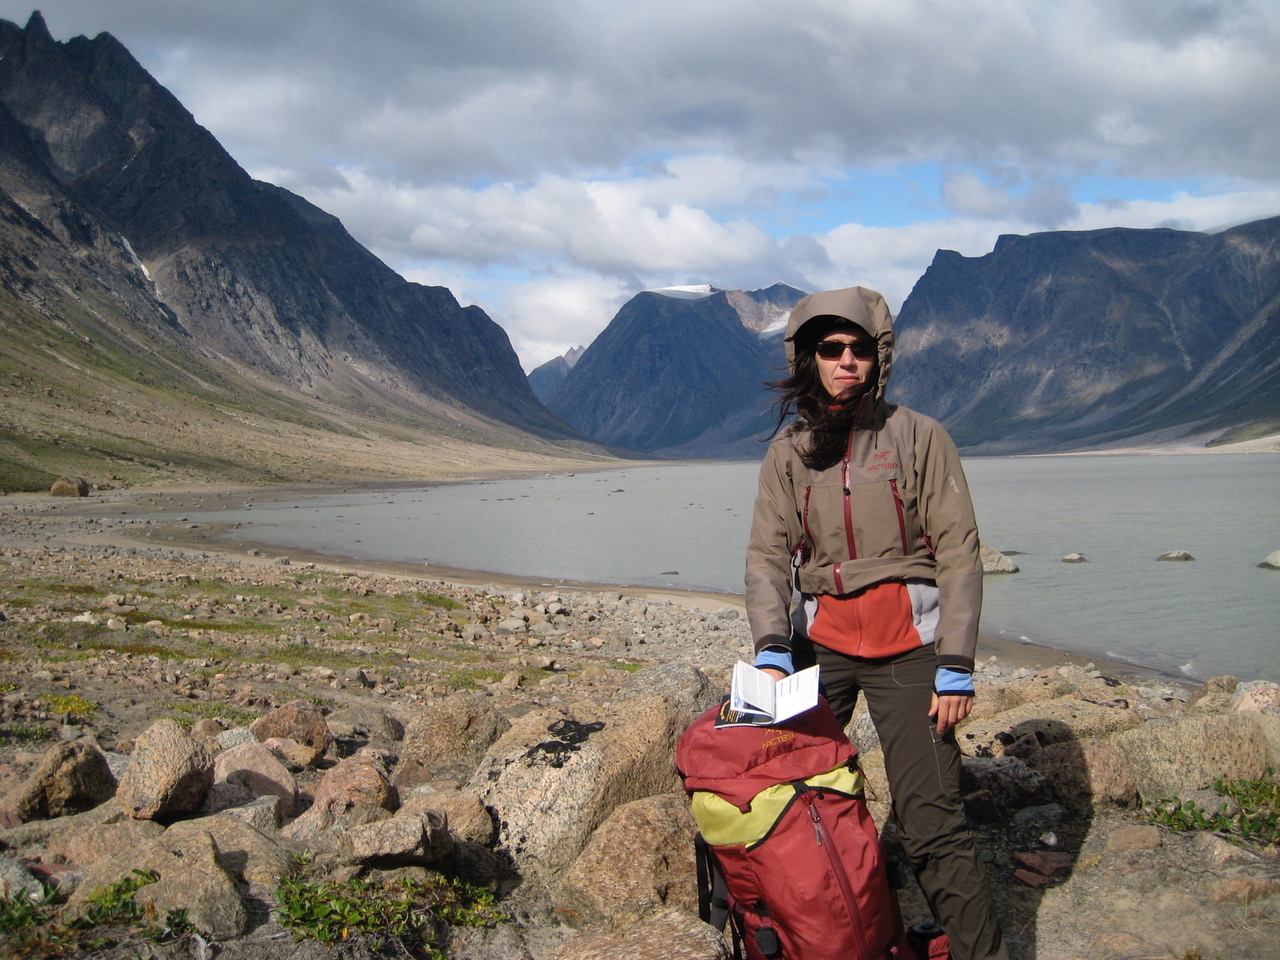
846,889
848,493
902,519
804,515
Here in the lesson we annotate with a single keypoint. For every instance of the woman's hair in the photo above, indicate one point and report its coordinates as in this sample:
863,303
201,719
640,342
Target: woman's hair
826,420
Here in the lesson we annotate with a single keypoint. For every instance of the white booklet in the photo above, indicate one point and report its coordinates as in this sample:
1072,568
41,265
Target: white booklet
754,691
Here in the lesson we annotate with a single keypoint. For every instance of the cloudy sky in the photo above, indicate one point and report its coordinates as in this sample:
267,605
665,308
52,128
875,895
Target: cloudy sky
547,159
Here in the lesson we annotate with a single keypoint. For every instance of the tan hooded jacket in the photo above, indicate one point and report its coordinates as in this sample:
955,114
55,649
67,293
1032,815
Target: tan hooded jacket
896,509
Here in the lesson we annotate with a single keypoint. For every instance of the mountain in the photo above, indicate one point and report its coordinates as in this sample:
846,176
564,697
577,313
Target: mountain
544,379
144,273
1064,340
680,372
1051,342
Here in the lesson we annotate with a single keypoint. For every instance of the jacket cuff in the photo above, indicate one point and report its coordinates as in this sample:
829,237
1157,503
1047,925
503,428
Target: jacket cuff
777,658
956,662
951,682
773,641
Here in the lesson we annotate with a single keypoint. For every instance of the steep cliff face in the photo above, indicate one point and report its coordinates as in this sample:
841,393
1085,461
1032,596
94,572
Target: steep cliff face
680,374
1062,340
545,379
242,274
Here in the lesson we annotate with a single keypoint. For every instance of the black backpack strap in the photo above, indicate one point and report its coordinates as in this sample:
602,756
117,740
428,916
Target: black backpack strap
713,892
701,856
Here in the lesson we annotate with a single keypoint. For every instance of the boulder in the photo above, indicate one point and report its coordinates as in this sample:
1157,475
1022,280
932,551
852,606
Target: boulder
70,487
17,881
468,818
1086,774
995,787
71,777
447,739
253,857
1176,555
654,838
558,773
993,561
671,935
94,842
680,682
1271,561
1075,558
1049,721
1175,756
262,813
1256,696
169,772
417,838
190,879
358,782
255,767
298,721
363,724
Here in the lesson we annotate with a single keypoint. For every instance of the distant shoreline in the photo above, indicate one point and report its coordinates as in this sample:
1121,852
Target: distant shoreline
57,521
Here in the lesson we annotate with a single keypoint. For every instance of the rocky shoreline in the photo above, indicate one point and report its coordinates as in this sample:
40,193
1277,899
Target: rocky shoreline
370,721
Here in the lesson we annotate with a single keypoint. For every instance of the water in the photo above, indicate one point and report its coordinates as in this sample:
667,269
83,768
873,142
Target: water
686,525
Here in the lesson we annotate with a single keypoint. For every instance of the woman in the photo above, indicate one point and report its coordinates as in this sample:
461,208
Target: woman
863,509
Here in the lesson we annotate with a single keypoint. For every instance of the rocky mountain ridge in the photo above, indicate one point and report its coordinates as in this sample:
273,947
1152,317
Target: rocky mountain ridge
142,271
681,373
547,377
1056,341
1052,342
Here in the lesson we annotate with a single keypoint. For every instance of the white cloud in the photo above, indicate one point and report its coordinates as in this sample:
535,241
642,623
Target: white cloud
557,157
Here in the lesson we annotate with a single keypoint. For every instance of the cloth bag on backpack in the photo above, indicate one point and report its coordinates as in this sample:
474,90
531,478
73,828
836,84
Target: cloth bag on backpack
781,808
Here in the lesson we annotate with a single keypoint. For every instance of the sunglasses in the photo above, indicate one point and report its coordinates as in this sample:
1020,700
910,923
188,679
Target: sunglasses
834,349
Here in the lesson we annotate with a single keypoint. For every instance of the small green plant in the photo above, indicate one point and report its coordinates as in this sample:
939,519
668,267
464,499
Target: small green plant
32,928
20,911
1258,819
76,707
23,733
189,711
407,913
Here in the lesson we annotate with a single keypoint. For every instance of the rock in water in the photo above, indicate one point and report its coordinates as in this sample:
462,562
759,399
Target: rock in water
993,561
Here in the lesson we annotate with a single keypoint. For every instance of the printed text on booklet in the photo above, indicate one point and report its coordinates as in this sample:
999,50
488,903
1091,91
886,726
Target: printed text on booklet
754,691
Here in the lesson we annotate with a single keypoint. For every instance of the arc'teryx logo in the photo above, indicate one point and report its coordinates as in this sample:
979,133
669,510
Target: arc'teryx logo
881,461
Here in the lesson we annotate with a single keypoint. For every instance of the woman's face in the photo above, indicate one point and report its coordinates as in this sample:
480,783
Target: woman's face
851,370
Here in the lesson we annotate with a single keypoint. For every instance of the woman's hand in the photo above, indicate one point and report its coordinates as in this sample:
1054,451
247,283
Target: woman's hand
775,674
949,710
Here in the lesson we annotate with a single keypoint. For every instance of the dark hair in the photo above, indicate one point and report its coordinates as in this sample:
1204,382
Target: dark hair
827,420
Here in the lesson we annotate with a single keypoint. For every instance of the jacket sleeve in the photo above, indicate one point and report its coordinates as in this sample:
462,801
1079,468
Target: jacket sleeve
774,532
947,519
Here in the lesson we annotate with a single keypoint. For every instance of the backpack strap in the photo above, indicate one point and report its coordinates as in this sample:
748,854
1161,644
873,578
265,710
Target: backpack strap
713,892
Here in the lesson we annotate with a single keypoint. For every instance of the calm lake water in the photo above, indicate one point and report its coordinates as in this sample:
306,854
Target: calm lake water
686,526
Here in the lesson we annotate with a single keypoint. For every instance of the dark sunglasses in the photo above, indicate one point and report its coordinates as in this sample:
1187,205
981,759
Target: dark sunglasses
834,349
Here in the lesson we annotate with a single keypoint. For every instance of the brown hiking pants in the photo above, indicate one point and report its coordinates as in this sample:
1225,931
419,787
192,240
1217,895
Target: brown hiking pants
924,781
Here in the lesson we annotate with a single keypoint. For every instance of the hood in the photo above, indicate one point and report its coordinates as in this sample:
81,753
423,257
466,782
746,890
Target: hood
858,305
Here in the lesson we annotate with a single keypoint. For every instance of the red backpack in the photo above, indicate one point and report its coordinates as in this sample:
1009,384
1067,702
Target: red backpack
780,810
